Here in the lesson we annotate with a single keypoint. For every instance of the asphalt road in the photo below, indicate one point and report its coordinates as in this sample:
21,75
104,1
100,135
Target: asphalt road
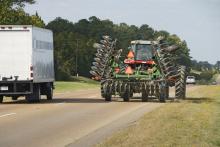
81,118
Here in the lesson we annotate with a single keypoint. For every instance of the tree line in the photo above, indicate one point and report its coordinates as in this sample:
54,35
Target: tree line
73,42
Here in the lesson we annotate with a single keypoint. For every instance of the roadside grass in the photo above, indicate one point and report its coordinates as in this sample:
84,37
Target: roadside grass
194,122
80,83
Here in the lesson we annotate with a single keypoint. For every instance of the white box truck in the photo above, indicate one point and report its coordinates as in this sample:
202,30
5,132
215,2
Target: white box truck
26,62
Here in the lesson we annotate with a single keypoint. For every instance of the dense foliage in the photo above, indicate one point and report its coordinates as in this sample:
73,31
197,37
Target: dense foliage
12,13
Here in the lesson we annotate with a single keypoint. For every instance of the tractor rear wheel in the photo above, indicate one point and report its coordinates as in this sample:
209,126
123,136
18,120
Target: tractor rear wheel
167,91
162,93
180,85
102,89
107,91
145,93
127,93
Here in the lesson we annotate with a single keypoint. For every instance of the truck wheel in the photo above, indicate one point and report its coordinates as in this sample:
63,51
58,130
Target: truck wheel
49,92
1,99
35,96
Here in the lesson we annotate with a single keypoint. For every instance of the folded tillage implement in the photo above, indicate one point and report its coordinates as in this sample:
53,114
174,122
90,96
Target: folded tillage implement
149,69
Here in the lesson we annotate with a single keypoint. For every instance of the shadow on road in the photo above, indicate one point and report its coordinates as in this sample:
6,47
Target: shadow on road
59,100
116,99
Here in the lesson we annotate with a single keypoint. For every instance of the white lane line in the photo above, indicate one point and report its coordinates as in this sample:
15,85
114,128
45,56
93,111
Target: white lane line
60,103
7,114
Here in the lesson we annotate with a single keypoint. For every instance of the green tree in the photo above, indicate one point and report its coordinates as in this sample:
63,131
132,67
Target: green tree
12,13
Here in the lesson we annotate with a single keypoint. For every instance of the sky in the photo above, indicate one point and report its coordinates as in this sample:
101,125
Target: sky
196,21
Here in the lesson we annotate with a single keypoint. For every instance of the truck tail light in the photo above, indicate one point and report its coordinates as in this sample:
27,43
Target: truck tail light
31,68
31,73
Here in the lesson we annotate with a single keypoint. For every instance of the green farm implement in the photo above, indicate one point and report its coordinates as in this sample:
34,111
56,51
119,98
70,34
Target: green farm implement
149,69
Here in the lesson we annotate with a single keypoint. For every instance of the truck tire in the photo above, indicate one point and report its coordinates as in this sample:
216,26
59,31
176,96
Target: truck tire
49,93
35,96
1,99
180,85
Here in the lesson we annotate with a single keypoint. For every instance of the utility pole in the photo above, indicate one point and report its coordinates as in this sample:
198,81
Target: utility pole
77,45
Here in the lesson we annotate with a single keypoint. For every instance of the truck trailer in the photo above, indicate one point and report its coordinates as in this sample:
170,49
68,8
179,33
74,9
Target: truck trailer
26,62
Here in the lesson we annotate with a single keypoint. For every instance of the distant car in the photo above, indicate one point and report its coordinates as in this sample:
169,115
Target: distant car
190,80
214,83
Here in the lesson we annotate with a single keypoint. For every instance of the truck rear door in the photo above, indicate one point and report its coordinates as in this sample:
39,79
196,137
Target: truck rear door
15,53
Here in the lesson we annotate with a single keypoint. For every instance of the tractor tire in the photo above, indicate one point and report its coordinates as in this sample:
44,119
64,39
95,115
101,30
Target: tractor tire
180,85
161,94
107,91
167,90
162,97
14,98
127,94
144,96
145,93
1,99
102,89
35,96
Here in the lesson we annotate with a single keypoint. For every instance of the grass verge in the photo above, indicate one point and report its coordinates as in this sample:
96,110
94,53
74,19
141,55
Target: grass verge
192,122
80,84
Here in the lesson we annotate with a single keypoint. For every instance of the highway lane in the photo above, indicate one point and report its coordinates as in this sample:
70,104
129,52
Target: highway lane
81,118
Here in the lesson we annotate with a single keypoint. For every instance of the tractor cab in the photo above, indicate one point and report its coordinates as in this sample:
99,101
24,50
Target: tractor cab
142,50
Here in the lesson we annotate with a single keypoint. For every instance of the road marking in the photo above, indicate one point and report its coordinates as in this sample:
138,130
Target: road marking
60,103
7,114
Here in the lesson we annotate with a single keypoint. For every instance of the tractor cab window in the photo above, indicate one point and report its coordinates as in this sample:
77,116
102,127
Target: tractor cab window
143,52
